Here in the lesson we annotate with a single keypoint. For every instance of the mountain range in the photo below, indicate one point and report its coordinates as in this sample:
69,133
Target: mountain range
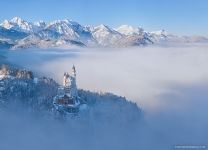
20,34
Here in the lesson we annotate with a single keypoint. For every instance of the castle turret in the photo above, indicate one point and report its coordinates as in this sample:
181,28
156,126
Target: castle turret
68,99
74,71
65,79
70,87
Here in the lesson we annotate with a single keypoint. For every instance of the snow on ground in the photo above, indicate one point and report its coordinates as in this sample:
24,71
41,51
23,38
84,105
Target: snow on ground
2,76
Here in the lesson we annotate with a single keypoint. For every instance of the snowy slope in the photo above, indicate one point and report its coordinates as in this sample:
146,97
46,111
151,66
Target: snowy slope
18,24
71,30
11,35
105,36
20,87
129,30
67,33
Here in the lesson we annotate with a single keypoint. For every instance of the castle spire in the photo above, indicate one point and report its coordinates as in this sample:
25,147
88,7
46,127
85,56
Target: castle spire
68,99
73,71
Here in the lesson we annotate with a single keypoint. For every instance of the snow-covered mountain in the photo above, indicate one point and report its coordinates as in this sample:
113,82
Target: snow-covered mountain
11,34
129,30
105,36
67,33
18,24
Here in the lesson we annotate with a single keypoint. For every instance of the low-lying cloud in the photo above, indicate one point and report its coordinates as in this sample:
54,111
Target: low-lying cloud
170,84
140,74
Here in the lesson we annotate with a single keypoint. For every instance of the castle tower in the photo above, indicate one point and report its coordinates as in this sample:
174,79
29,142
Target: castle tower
65,79
74,71
70,87
68,100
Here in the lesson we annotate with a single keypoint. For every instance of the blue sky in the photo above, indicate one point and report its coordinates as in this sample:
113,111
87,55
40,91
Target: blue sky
184,17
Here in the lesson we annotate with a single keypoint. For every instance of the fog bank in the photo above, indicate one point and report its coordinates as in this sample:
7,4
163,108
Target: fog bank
170,84
140,74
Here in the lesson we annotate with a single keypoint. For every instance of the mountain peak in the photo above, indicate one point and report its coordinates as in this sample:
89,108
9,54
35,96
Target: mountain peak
65,21
129,30
102,26
18,24
40,23
6,24
17,20
160,32
71,22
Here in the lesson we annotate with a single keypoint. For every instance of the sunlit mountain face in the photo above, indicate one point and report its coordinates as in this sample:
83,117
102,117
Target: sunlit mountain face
20,34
